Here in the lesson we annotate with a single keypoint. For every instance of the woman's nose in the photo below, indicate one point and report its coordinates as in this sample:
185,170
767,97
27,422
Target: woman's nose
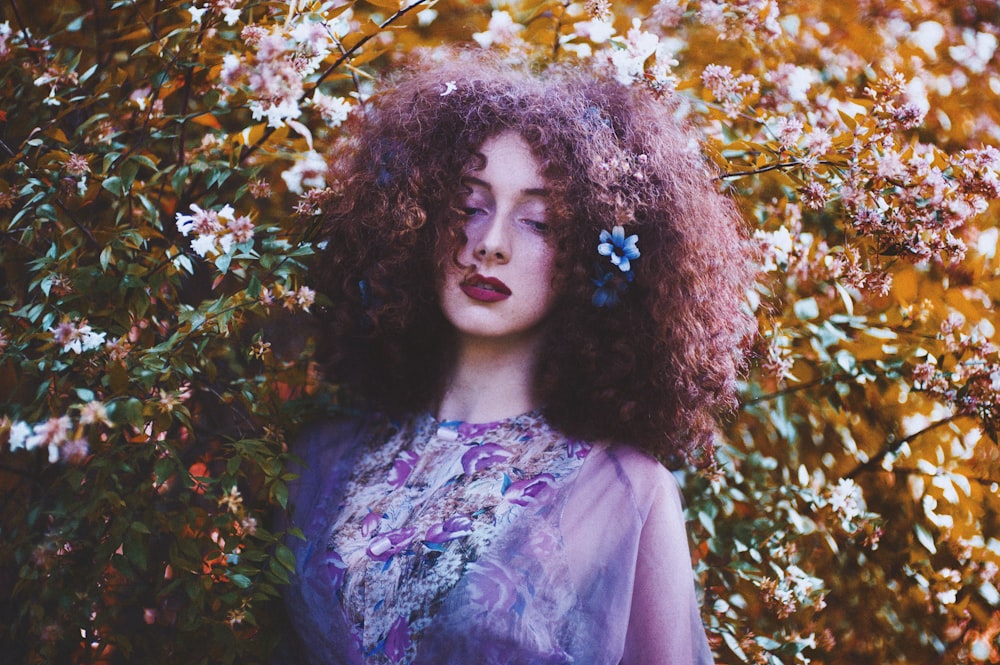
493,244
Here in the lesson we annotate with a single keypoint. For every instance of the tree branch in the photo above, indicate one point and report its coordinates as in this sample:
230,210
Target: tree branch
20,22
894,446
836,378
769,167
986,482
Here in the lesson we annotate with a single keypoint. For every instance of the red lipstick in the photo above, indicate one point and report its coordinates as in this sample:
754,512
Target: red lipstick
484,289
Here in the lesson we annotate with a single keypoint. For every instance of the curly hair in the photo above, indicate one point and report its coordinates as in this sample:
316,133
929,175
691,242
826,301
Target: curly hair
654,370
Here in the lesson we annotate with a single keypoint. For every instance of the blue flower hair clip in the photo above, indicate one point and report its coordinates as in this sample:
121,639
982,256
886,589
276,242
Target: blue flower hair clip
621,251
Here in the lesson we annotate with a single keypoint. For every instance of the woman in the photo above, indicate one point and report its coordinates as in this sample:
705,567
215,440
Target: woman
536,289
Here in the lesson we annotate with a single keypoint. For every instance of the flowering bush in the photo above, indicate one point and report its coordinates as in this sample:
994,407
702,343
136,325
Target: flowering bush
163,169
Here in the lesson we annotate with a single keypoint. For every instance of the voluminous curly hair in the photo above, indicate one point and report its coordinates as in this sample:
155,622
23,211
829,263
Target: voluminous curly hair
655,369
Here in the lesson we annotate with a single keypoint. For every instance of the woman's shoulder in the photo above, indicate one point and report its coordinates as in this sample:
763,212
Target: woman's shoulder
332,431
335,435
645,477
323,445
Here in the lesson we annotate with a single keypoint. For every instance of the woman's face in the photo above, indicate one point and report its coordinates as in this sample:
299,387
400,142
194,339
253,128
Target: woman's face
507,291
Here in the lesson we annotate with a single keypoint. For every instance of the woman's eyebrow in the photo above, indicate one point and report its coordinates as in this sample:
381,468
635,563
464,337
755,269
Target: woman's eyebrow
472,180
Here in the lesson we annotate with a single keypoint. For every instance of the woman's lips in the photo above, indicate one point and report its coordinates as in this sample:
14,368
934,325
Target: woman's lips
484,289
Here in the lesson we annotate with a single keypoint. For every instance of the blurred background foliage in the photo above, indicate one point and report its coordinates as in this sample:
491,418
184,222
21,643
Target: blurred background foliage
161,179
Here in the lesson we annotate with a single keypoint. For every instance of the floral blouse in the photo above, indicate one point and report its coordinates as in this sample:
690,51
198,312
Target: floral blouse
501,543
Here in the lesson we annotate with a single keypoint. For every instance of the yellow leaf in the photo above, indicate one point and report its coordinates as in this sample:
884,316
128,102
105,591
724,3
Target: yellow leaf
250,135
207,120
386,4
904,286
57,134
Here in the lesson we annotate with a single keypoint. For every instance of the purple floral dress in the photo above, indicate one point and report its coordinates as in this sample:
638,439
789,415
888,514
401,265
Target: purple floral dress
506,542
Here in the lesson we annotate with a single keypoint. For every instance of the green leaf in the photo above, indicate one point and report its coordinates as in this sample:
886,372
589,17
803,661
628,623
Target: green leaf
240,580
285,557
105,259
114,185
127,411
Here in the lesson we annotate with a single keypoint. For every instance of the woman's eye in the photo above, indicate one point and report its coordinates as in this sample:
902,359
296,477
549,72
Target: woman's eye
470,211
536,225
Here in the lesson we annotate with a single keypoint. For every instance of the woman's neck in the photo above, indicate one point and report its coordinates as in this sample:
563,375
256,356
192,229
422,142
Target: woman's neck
490,380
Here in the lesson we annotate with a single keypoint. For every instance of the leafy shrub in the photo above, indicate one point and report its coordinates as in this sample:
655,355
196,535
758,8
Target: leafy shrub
162,178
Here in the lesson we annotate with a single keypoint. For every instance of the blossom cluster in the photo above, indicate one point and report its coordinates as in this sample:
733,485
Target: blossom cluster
62,439
227,9
5,40
638,56
215,231
791,590
734,19
308,172
77,336
284,57
971,386
730,90
501,30
846,499
291,299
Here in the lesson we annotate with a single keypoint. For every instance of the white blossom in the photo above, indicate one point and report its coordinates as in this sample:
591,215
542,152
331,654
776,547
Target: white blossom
232,68
333,109
630,61
215,231
947,597
976,51
53,433
777,247
801,584
501,30
426,17
847,500
77,338
202,245
196,13
309,171
595,30
19,433
276,114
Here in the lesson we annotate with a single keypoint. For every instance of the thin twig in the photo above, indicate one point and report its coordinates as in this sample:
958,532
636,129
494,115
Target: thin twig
86,232
986,482
894,446
20,22
836,378
6,148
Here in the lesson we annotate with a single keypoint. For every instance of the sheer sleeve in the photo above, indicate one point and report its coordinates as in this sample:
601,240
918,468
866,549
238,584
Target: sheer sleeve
326,453
626,543
664,621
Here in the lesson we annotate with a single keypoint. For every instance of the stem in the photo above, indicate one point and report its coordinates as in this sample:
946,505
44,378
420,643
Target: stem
763,169
836,378
354,75
986,482
213,317
894,446
20,22
149,24
99,54
556,45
